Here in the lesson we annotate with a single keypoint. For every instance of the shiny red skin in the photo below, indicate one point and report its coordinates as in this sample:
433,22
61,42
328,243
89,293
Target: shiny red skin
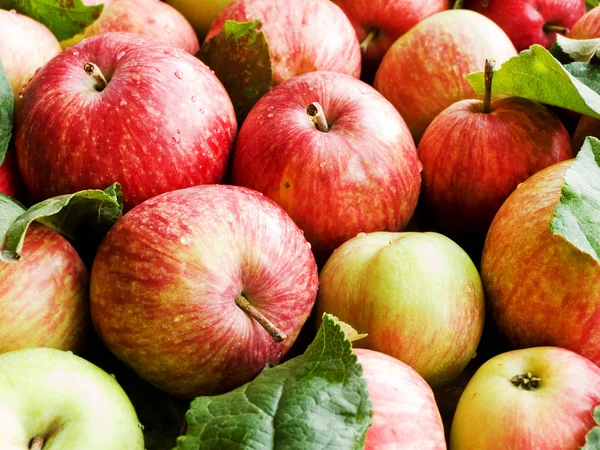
405,414
10,180
587,126
163,122
473,161
539,288
303,36
165,278
362,175
588,26
523,20
44,296
392,18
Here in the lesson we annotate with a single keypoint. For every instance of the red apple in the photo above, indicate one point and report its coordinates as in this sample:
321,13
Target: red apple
10,180
25,45
378,23
360,175
44,296
405,414
588,26
149,17
159,120
587,126
424,71
303,36
540,289
537,398
475,153
198,289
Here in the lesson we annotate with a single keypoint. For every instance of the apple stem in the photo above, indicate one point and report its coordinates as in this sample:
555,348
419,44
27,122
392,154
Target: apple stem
316,111
94,71
37,443
249,309
526,381
548,28
490,65
371,34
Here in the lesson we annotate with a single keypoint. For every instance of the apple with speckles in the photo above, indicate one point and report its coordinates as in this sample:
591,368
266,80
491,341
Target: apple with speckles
198,289
123,107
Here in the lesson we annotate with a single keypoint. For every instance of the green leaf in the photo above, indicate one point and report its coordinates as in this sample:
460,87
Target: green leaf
6,112
535,74
65,18
240,57
592,439
315,401
10,209
591,3
579,50
577,215
85,217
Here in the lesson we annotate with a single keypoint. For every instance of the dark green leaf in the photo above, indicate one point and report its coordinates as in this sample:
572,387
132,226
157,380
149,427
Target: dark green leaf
6,112
10,209
315,401
586,73
591,3
85,216
65,18
239,55
592,440
535,74
577,215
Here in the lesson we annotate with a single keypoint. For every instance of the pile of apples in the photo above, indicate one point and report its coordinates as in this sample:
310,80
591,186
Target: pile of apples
351,170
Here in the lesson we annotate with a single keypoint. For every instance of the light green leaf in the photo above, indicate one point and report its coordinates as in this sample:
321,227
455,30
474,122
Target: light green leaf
6,112
592,440
315,401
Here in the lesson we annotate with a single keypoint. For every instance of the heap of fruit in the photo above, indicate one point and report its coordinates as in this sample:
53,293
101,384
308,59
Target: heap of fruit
299,224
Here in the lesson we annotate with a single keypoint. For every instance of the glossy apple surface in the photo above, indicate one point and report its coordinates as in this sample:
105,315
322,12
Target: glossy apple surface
361,175
200,13
540,397
166,281
424,71
528,22
588,26
162,122
418,296
587,126
303,36
10,179
64,402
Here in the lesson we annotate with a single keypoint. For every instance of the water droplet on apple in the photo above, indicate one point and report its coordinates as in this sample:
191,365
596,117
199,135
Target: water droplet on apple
361,235
194,98
168,29
201,111
21,94
120,55
122,103
308,245
270,108
269,115
176,140
177,54
75,53
179,74
184,240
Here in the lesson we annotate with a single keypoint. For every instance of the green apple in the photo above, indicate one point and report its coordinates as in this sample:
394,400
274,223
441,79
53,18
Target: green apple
200,13
418,296
55,400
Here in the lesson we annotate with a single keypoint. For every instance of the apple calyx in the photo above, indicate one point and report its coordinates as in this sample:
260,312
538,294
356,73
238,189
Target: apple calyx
249,309
526,381
37,443
549,28
372,34
94,71
315,110
488,74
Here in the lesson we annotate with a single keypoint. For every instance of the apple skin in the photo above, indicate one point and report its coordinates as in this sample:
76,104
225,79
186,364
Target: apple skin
555,416
424,71
44,296
587,126
25,45
418,296
152,18
364,172
588,26
523,20
473,161
200,13
163,122
392,18
303,36
540,289
42,387
10,179
405,414
165,278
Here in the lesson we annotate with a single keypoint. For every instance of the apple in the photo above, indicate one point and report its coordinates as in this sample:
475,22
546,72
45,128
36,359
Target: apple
122,107
53,400
418,297
25,45
587,126
44,296
198,289
10,180
303,36
528,22
541,397
149,17
379,23
356,171
424,71
588,26
200,13
540,289
475,153
405,415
